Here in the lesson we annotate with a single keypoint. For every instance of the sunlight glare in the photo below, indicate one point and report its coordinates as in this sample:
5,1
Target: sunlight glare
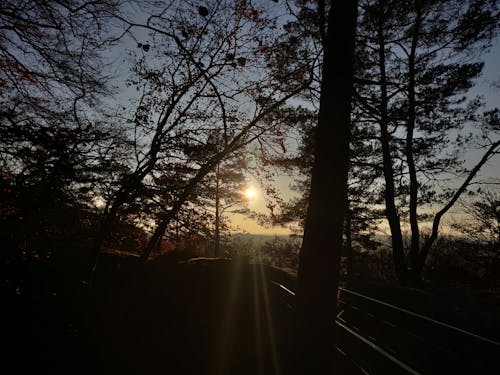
249,193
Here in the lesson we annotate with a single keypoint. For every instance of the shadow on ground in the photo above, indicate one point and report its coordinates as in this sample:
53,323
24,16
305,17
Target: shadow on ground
206,316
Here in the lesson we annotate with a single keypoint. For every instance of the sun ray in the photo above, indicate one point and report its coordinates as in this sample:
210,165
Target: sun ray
258,321
269,318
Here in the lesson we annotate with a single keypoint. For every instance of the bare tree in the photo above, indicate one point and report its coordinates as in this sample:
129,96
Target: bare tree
199,71
56,142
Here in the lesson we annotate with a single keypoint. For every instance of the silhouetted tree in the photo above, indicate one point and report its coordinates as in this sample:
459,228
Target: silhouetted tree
58,150
481,226
218,192
322,244
223,193
208,63
417,59
303,45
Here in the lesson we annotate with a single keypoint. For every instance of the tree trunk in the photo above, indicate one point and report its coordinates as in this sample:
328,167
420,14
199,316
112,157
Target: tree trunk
322,244
348,242
391,211
217,214
124,194
172,213
410,160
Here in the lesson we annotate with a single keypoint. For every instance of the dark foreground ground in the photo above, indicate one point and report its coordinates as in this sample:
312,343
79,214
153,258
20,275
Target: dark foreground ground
202,316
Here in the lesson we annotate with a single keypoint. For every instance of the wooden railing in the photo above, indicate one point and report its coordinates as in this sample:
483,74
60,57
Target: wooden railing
376,337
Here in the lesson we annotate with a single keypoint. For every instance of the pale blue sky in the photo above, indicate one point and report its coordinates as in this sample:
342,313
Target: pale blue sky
488,86
485,87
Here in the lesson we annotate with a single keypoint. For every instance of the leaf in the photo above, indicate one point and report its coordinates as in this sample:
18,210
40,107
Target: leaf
202,11
242,61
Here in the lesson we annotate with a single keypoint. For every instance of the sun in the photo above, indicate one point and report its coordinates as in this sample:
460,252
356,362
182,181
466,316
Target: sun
249,192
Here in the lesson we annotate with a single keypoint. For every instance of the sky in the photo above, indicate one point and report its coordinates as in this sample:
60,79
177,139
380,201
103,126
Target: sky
242,223
488,87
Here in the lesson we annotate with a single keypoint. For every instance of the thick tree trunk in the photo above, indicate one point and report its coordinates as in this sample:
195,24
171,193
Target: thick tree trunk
322,244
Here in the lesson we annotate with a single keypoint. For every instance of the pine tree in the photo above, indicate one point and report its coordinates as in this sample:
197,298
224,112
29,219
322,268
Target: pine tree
419,58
